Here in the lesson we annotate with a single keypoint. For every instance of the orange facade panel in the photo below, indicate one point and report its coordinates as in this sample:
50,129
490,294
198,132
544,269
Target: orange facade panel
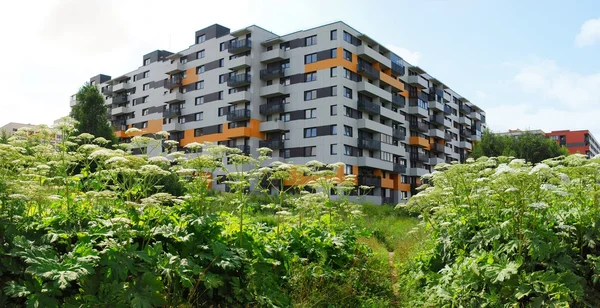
395,83
403,187
190,76
419,141
333,62
253,130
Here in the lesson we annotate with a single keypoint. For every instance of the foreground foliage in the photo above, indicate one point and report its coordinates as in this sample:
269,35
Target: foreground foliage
86,226
509,234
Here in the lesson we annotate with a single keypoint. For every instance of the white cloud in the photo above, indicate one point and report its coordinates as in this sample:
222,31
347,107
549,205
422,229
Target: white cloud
411,57
589,33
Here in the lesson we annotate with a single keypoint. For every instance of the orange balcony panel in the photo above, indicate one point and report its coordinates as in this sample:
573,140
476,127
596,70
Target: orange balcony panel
395,83
418,141
120,134
403,187
387,183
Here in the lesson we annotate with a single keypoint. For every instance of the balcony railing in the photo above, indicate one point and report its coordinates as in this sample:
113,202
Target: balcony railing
268,109
173,83
398,69
239,80
398,168
171,113
120,99
369,180
465,109
464,132
367,70
272,73
399,134
369,144
419,157
271,144
238,115
368,107
448,136
108,90
240,46
121,128
244,148
437,119
420,126
437,147
447,109
388,200
398,100
482,118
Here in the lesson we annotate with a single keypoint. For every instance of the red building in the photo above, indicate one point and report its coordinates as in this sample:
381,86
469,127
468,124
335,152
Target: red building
578,141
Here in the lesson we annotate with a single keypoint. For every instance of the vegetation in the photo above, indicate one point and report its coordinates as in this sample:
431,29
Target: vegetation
90,113
505,233
531,147
86,226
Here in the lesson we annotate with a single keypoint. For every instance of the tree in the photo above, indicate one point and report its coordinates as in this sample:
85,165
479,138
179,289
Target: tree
3,137
90,112
532,147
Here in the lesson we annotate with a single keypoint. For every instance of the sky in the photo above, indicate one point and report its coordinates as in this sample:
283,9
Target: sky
529,64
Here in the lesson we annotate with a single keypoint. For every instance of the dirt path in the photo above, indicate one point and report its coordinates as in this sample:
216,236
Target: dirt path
394,277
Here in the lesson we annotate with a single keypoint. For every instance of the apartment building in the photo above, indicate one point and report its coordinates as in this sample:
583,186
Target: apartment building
10,128
330,93
577,141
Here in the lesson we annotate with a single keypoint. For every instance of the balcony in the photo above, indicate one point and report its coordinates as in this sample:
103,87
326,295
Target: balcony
272,126
239,63
418,81
369,144
435,105
271,144
238,46
277,54
464,133
418,108
373,90
73,100
465,145
119,110
369,180
175,67
465,109
476,115
398,168
272,73
239,97
464,121
173,83
420,126
424,158
437,133
244,148
372,126
447,109
447,136
437,147
398,69
174,126
272,90
416,171
172,97
119,99
120,87
398,101
172,113
367,52
239,80
268,109
476,137
436,119
108,90
388,200
367,70
399,134
371,162
368,107
436,160
418,141
238,115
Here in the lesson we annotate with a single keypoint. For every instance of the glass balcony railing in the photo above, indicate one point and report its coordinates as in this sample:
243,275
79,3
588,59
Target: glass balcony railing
369,144
241,45
268,109
368,107
238,115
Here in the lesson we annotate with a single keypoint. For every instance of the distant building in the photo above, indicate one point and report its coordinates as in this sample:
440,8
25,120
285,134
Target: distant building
12,127
577,141
517,132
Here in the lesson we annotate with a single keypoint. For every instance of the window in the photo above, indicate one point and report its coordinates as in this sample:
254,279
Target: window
310,58
334,91
183,60
310,113
221,62
200,54
310,132
181,120
144,99
333,149
347,169
333,110
333,35
200,39
311,40
199,116
286,81
198,132
312,76
222,78
347,131
224,110
146,86
222,46
333,72
351,39
144,124
199,100
146,74
310,95
200,69
145,111
134,79
285,117
284,46
310,151
220,95
334,129
333,53
347,92
347,55
200,85
146,61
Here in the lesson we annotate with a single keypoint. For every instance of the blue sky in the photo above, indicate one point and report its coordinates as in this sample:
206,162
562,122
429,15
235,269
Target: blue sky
529,64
